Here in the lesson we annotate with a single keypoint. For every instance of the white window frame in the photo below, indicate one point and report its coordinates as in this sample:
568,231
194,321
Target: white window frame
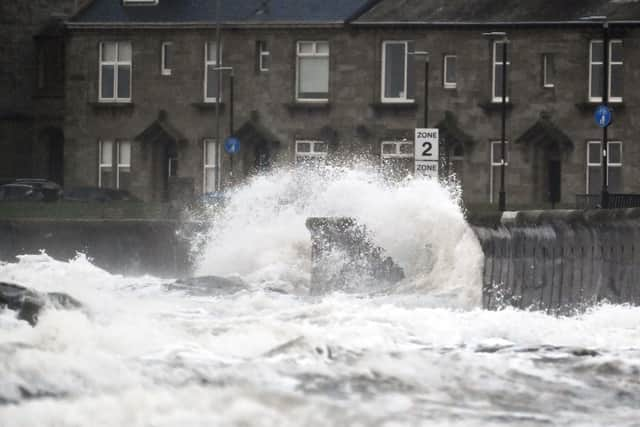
140,2
313,54
215,63
611,63
171,171
115,63
101,163
312,153
383,80
545,70
494,65
447,84
262,53
598,164
495,145
206,166
121,165
164,70
397,153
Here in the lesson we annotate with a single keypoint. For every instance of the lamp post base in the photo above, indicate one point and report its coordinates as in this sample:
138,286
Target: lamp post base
604,199
502,201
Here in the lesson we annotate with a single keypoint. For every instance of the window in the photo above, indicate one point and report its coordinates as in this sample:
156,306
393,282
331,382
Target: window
172,167
123,175
456,162
166,58
496,163
140,2
312,71
548,70
396,158
263,56
115,72
211,71
498,47
311,153
594,167
596,68
398,72
210,183
449,71
106,164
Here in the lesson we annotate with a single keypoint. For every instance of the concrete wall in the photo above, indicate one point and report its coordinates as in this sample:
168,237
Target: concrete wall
555,259
119,246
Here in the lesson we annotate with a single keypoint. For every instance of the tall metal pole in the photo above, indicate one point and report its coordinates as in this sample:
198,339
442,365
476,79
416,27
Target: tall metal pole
231,78
426,91
502,197
604,202
218,86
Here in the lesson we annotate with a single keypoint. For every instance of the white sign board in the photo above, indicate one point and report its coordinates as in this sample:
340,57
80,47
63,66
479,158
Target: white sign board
426,152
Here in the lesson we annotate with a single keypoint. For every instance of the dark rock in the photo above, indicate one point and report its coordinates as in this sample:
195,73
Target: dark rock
29,303
343,257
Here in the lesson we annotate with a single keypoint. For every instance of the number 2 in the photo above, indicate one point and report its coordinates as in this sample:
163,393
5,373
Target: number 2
427,150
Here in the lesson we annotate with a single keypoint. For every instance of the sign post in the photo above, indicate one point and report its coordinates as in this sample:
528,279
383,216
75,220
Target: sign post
231,146
427,155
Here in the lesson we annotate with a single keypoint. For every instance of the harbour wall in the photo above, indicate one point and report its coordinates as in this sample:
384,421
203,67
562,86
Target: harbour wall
559,260
132,247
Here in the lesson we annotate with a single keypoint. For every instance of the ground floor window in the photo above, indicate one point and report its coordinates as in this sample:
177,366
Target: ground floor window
210,157
122,165
594,167
496,164
311,153
396,158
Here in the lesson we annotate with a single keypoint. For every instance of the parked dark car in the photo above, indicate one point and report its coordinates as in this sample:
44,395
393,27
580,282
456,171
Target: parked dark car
95,194
50,190
31,189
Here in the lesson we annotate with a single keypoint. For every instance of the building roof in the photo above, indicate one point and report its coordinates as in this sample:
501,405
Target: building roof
497,11
231,12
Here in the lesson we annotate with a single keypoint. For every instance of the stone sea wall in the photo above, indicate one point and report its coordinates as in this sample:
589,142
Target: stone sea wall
559,260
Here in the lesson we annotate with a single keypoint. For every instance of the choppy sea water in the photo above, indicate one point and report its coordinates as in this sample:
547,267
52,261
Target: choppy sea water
268,354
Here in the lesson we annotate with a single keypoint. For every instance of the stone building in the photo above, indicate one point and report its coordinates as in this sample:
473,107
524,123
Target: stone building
32,87
314,80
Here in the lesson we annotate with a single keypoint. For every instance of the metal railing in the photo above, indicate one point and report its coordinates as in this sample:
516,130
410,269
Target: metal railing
616,201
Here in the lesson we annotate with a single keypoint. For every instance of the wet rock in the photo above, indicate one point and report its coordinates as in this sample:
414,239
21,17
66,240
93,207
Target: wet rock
208,285
29,303
344,257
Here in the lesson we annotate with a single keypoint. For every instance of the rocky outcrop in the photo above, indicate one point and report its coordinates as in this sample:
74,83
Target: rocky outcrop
344,258
29,303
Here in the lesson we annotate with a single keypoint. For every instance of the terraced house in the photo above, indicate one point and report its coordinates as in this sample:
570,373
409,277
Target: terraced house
320,79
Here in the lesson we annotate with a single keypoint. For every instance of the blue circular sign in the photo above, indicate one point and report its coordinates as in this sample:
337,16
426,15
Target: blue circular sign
603,116
232,145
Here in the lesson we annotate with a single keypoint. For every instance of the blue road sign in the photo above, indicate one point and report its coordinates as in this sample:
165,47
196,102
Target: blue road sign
603,116
232,145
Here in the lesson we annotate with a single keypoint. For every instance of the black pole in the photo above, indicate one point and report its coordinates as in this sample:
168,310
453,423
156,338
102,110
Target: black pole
604,202
218,86
502,197
231,119
426,92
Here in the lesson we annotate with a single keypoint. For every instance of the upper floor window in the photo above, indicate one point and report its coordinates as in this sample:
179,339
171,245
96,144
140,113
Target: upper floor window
397,72
594,167
498,51
211,71
596,69
312,71
166,58
449,71
115,72
263,56
311,152
548,70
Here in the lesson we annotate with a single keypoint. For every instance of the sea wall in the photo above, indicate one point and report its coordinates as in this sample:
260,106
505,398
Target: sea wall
559,260
132,247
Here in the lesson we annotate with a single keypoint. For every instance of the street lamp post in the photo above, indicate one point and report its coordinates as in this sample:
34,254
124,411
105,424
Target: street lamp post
502,194
604,202
424,54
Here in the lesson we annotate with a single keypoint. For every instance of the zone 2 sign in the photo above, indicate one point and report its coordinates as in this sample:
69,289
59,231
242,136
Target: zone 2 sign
426,153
